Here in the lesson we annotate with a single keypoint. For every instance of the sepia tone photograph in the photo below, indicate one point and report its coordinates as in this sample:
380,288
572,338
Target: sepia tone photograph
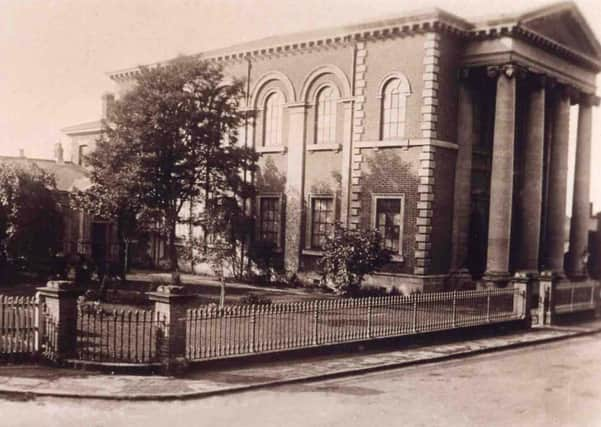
300,213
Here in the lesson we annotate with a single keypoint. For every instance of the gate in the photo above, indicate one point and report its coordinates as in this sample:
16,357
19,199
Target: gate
18,329
26,329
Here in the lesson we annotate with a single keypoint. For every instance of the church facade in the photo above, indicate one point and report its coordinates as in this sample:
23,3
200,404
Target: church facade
447,135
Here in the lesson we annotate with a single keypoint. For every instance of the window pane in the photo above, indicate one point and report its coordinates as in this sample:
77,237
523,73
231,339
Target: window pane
388,222
325,117
322,220
269,219
272,119
393,110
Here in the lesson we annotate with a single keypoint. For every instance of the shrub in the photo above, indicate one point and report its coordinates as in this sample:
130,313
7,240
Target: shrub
367,292
349,255
263,253
254,299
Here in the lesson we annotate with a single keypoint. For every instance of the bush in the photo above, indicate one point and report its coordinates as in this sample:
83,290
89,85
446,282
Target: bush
349,255
263,253
368,292
254,299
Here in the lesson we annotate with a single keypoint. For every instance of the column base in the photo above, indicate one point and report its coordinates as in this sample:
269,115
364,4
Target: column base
577,276
494,279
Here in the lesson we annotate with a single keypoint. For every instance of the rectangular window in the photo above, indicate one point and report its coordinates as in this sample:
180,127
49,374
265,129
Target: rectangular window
322,220
269,219
387,218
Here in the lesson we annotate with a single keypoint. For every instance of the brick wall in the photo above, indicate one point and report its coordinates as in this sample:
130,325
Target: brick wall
392,171
383,57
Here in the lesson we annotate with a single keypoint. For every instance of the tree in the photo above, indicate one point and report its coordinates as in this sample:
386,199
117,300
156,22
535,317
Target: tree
351,254
173,138
31,222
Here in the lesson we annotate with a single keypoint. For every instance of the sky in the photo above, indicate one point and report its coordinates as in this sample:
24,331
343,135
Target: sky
54,54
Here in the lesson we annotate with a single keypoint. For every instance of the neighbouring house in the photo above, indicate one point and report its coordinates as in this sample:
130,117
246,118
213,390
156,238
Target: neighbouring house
150,249
449,135
83,234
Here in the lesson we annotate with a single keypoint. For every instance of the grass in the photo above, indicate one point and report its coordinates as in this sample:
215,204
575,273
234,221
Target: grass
132,293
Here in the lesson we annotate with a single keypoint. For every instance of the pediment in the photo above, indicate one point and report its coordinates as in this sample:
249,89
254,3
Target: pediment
564,24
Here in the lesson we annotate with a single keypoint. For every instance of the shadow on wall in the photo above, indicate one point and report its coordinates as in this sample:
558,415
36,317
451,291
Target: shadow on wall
269,178
386,172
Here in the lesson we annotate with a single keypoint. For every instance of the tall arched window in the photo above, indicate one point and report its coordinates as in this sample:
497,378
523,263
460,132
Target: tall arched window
394,101
272,119
325,116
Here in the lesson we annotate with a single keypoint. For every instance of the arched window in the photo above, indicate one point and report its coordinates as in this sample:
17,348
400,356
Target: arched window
325,116
272,119
394,101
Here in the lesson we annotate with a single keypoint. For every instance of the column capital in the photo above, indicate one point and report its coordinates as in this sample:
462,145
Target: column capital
563,91
587,100
509,70
493,71
464,74
539,81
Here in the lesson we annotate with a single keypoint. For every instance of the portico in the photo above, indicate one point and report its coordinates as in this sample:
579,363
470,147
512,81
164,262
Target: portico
529,125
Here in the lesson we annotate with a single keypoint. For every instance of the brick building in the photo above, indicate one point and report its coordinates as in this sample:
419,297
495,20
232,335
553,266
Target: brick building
448,135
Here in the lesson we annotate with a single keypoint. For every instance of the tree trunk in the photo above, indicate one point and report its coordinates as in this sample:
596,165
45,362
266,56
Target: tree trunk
222,292
122,256
172,249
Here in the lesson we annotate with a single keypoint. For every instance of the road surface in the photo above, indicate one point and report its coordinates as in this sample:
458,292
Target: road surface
556,384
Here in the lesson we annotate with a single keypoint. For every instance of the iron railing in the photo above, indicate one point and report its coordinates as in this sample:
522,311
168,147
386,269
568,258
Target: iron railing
571,297
17,325
118,336
213,333
48,334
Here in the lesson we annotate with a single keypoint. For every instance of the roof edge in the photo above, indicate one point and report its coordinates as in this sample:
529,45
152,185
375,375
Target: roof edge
423,19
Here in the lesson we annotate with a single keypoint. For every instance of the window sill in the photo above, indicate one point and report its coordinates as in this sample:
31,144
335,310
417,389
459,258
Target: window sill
397,258
312,252
319,252
271,149
390,143
323,147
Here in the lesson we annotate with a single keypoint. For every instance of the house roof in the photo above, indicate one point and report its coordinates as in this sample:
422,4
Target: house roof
82,128
545,26
68,175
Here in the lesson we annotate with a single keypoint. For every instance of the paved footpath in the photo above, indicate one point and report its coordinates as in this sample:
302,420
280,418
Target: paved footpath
32,380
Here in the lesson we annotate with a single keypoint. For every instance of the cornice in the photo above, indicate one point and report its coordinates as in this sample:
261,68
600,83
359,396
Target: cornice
515,29
431,21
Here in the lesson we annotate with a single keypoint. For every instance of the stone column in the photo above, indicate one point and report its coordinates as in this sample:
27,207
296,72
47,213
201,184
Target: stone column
170,308
501,181
531,196
294,186
558,176
60,300
580,204
463,174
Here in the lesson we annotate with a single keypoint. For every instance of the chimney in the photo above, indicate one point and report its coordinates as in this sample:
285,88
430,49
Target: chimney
21,153
58,153
108,99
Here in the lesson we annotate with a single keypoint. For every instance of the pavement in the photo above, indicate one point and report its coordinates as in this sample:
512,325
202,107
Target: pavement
27,381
